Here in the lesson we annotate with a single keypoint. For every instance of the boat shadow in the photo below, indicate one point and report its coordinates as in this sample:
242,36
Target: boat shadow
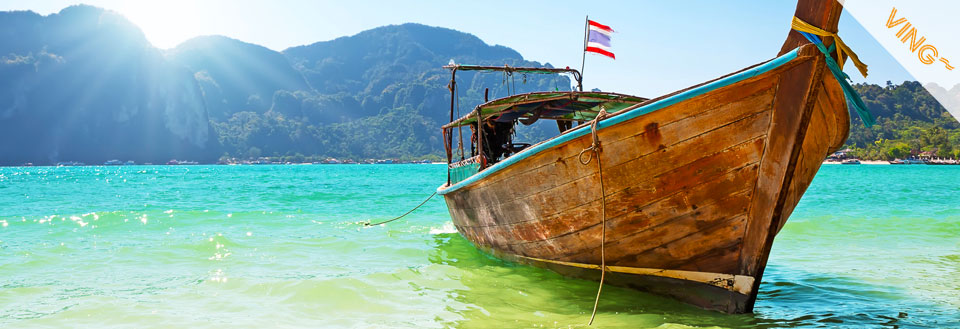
498,293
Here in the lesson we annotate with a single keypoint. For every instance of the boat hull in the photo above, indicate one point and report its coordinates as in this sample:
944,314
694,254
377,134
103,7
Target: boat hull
695,189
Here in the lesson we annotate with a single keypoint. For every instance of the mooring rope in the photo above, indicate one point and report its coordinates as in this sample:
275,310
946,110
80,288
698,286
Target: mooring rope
401,216
596,148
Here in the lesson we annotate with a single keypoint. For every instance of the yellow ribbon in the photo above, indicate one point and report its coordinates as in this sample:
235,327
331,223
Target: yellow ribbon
802,26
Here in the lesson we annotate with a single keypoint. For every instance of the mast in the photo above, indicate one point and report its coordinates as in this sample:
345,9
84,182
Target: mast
448,133
583,61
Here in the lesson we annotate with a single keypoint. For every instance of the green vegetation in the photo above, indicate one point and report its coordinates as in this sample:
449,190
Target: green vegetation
379,94
398,134
909,122
85,85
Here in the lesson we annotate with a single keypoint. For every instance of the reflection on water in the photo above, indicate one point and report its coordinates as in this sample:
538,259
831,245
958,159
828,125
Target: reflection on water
284,246
789,297
504,294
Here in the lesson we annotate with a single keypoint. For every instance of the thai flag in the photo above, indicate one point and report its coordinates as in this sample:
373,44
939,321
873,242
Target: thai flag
598,39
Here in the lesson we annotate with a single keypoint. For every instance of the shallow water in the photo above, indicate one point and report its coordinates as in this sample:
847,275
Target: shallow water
284,246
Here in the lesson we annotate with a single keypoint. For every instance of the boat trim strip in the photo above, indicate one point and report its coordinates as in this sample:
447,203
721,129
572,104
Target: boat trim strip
741,284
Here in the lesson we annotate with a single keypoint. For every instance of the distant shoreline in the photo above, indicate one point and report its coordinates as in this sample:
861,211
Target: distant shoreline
866,162
885,163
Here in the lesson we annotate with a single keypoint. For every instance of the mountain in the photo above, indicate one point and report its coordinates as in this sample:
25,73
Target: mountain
909,121
236,76
85,85
378,94
401,65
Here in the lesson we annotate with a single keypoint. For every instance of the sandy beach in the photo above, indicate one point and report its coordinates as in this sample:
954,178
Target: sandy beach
866,162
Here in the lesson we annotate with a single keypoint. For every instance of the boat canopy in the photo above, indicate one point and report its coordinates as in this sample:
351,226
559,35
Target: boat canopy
513,69
560,105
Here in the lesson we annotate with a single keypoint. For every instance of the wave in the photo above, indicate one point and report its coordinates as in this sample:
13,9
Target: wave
447,228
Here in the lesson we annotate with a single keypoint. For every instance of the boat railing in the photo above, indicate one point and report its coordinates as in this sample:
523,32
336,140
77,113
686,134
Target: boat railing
465,168
456,171
517,69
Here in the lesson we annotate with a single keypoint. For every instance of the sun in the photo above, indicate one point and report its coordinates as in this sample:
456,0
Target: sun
164,23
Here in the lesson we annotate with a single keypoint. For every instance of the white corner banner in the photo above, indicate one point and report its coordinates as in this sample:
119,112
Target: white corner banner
922,37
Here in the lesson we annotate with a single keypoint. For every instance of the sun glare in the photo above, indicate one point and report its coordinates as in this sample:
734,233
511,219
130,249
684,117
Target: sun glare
165,23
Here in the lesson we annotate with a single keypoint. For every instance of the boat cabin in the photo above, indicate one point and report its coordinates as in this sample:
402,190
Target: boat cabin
490,128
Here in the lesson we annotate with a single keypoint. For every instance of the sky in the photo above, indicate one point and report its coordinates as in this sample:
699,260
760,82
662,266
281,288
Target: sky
661,46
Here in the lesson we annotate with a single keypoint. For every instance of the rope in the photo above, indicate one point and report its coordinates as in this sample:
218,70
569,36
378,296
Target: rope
596,148
401,216
802,26
851,94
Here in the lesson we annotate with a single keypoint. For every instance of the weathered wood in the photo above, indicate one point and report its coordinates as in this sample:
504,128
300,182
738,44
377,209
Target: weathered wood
643,174
700,105
527,187
700,186
587,228
824,14
776,202
635,205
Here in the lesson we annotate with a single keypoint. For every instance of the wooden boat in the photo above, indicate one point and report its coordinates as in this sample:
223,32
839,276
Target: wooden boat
696,184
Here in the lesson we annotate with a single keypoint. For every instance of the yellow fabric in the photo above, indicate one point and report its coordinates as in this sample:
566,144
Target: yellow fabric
802,26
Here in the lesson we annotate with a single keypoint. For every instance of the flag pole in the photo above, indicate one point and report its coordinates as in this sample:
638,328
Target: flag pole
583,61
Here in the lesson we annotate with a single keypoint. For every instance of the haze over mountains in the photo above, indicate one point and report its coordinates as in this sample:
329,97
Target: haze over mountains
85,85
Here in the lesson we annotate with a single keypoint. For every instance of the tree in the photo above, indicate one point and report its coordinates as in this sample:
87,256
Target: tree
253,152
898,150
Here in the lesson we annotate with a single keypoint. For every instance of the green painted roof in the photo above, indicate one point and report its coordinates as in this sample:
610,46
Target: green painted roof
566,105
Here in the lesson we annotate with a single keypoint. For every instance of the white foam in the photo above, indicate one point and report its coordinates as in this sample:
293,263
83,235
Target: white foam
445,229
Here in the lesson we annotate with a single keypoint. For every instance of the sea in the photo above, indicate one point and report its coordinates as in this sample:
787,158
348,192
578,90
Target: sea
285,246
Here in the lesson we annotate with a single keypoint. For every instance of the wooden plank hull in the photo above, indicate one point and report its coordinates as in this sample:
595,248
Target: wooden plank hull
695,191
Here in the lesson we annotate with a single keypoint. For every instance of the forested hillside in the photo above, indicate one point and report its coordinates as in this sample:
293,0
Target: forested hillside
909,121
85,85
379,94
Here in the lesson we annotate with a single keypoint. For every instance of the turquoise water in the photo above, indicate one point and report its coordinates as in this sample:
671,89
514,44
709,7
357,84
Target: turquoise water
283,246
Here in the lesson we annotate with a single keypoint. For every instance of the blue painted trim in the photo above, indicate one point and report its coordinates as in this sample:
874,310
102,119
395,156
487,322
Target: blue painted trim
551,143
851,94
